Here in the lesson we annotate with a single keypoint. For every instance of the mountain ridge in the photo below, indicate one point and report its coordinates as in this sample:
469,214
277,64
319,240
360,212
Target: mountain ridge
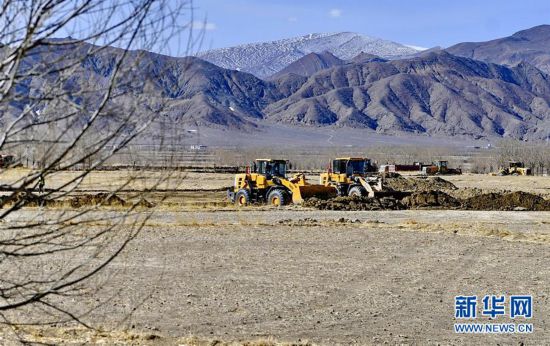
310,64
264,59
530,45
435,93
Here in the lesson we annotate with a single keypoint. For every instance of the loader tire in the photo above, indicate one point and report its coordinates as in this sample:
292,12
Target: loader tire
242,198
358,191
277,197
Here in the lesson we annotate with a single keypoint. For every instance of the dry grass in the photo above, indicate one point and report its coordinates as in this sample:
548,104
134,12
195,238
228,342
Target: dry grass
131,180
49,335
534,184
477,229
199,191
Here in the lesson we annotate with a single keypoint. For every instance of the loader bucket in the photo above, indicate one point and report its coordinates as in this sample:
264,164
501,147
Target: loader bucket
299,193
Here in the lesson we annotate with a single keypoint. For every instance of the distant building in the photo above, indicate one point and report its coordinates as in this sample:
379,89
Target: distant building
197,147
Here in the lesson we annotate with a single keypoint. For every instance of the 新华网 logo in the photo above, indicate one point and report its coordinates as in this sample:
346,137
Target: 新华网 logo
494,306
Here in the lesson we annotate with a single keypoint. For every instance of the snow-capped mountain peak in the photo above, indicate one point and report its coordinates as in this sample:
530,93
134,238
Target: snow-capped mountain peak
266,58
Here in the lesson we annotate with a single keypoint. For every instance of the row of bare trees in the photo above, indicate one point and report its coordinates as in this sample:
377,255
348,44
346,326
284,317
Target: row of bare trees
471,159
534,155
312,159
67,82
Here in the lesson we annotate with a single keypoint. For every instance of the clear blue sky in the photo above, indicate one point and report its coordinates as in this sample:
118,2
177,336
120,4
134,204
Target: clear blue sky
424,23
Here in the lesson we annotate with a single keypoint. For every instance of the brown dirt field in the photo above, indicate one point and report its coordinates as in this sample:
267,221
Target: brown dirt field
139,180
203,272
327,277
191,181
534,184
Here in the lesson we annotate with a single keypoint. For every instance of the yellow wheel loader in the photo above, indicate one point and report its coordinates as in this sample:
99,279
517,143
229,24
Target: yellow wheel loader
352,176
515,168
267,183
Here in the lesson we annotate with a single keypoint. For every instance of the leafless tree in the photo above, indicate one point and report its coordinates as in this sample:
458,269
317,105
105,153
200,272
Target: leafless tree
71,100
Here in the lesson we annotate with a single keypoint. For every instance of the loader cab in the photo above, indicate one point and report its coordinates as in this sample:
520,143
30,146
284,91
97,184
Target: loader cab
518,168
351,166
270,168
516,164
441,165
6,160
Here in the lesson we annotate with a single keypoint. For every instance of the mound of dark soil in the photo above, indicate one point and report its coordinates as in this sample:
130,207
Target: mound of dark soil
301,222
433,192
144,203
518,200
102,198
27,199
435,198
314,222
354,203
400,183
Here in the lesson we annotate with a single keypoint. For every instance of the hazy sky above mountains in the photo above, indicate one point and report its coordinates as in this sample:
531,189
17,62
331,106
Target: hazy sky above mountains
424,23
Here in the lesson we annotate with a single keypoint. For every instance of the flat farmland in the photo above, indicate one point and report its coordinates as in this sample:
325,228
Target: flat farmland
203,271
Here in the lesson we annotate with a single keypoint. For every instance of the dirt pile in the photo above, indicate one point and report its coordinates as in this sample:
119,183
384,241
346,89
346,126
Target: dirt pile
144,203
301,222
102,198
314,222
400,183
400,193
27,199
427,199
436,199
466,192
518,200
354,203
106,199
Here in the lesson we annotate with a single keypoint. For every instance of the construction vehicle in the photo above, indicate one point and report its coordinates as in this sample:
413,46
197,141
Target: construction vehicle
267,183
6,160
440,167
352,176
515,168
395,168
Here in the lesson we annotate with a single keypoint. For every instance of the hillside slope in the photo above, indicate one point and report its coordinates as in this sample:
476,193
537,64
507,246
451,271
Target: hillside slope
437,93
310,64
187,90
531,45
434,94
266,58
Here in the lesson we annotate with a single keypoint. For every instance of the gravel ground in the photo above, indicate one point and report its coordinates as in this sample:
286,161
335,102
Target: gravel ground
205,269
326,277
534,184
